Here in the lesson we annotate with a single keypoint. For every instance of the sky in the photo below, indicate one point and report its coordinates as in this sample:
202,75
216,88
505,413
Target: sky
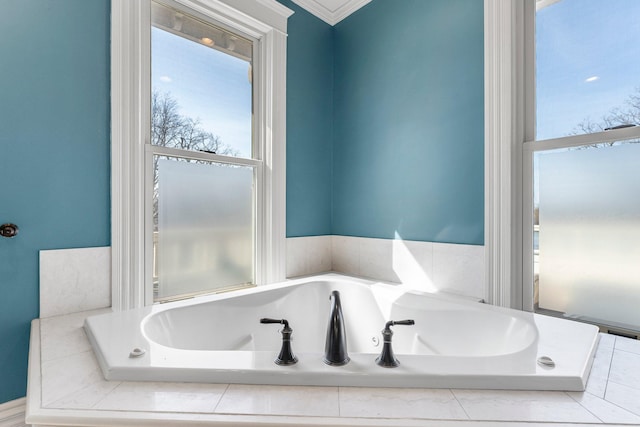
208,85
588,61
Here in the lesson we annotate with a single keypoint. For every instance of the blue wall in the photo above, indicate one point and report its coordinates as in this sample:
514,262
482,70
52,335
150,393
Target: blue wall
54,153
408,153
309,123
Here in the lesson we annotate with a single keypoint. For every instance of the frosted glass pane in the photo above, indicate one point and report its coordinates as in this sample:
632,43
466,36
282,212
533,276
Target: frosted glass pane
589,259
205,226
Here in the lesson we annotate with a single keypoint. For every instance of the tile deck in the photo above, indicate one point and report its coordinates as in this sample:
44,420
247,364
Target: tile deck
71,379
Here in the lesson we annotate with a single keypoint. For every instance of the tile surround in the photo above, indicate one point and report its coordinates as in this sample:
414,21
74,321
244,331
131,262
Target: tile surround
308,255
424,266
71,381
74,280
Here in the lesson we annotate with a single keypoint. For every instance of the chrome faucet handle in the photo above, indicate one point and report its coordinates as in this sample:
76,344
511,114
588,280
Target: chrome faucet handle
387,359
286,356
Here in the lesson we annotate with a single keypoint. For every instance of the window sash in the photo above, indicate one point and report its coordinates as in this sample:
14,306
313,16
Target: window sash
530,145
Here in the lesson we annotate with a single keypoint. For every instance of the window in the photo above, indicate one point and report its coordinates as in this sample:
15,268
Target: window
510,137
206,171
226,148
581,217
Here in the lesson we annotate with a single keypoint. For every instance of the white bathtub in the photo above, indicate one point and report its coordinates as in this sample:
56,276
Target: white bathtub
453,344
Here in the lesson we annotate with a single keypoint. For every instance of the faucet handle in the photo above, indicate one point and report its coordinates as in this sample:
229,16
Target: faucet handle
286,356
399,322
280,321
387,359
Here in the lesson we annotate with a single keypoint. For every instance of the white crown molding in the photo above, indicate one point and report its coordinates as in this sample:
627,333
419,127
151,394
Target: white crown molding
331,17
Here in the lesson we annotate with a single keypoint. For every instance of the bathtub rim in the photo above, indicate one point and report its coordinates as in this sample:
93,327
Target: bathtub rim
571,379
397,291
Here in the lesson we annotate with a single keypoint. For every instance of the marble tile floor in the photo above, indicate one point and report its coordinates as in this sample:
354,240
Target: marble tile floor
71,379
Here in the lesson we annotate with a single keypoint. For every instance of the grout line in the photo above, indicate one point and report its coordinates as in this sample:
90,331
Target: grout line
106,394
461,405
637,414
215,407
584,407
606,383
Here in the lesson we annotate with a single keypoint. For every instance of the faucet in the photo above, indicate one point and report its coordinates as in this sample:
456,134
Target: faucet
387,359
286,356
335,348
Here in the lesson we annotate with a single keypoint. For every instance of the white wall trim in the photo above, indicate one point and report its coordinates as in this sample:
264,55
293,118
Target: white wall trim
130,86
504,124
13,412
127,144
331,17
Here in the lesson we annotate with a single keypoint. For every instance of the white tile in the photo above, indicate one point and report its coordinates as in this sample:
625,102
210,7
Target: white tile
86,397
605,411
627,344
62,336
459,269
73,280
163,397
626,397
308,255
599,374
399,403
413,264
319,254
345,256
376,259
625,369
295,256
538,406
606,340
279,400
68,375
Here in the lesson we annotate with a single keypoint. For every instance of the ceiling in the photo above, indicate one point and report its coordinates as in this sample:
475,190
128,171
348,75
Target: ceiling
331,11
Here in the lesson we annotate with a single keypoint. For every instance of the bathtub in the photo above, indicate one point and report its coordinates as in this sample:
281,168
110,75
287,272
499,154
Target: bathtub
454,343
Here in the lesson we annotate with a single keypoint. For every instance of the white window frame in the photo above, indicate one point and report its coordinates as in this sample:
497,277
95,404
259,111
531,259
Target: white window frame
263,20
509,148
504,133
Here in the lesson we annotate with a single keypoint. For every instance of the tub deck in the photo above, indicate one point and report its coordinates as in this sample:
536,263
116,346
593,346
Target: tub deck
66,387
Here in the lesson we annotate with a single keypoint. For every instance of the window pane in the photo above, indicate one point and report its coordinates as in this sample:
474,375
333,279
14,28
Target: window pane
204,214
587,62
589,225
201,85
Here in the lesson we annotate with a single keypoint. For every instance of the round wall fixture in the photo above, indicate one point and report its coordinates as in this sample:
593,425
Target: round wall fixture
8,230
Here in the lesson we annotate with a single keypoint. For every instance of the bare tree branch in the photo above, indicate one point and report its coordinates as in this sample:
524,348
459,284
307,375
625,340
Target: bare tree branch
629,114
171,129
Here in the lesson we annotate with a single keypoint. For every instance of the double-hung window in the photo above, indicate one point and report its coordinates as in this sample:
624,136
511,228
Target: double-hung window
198,140
562,158
581,168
